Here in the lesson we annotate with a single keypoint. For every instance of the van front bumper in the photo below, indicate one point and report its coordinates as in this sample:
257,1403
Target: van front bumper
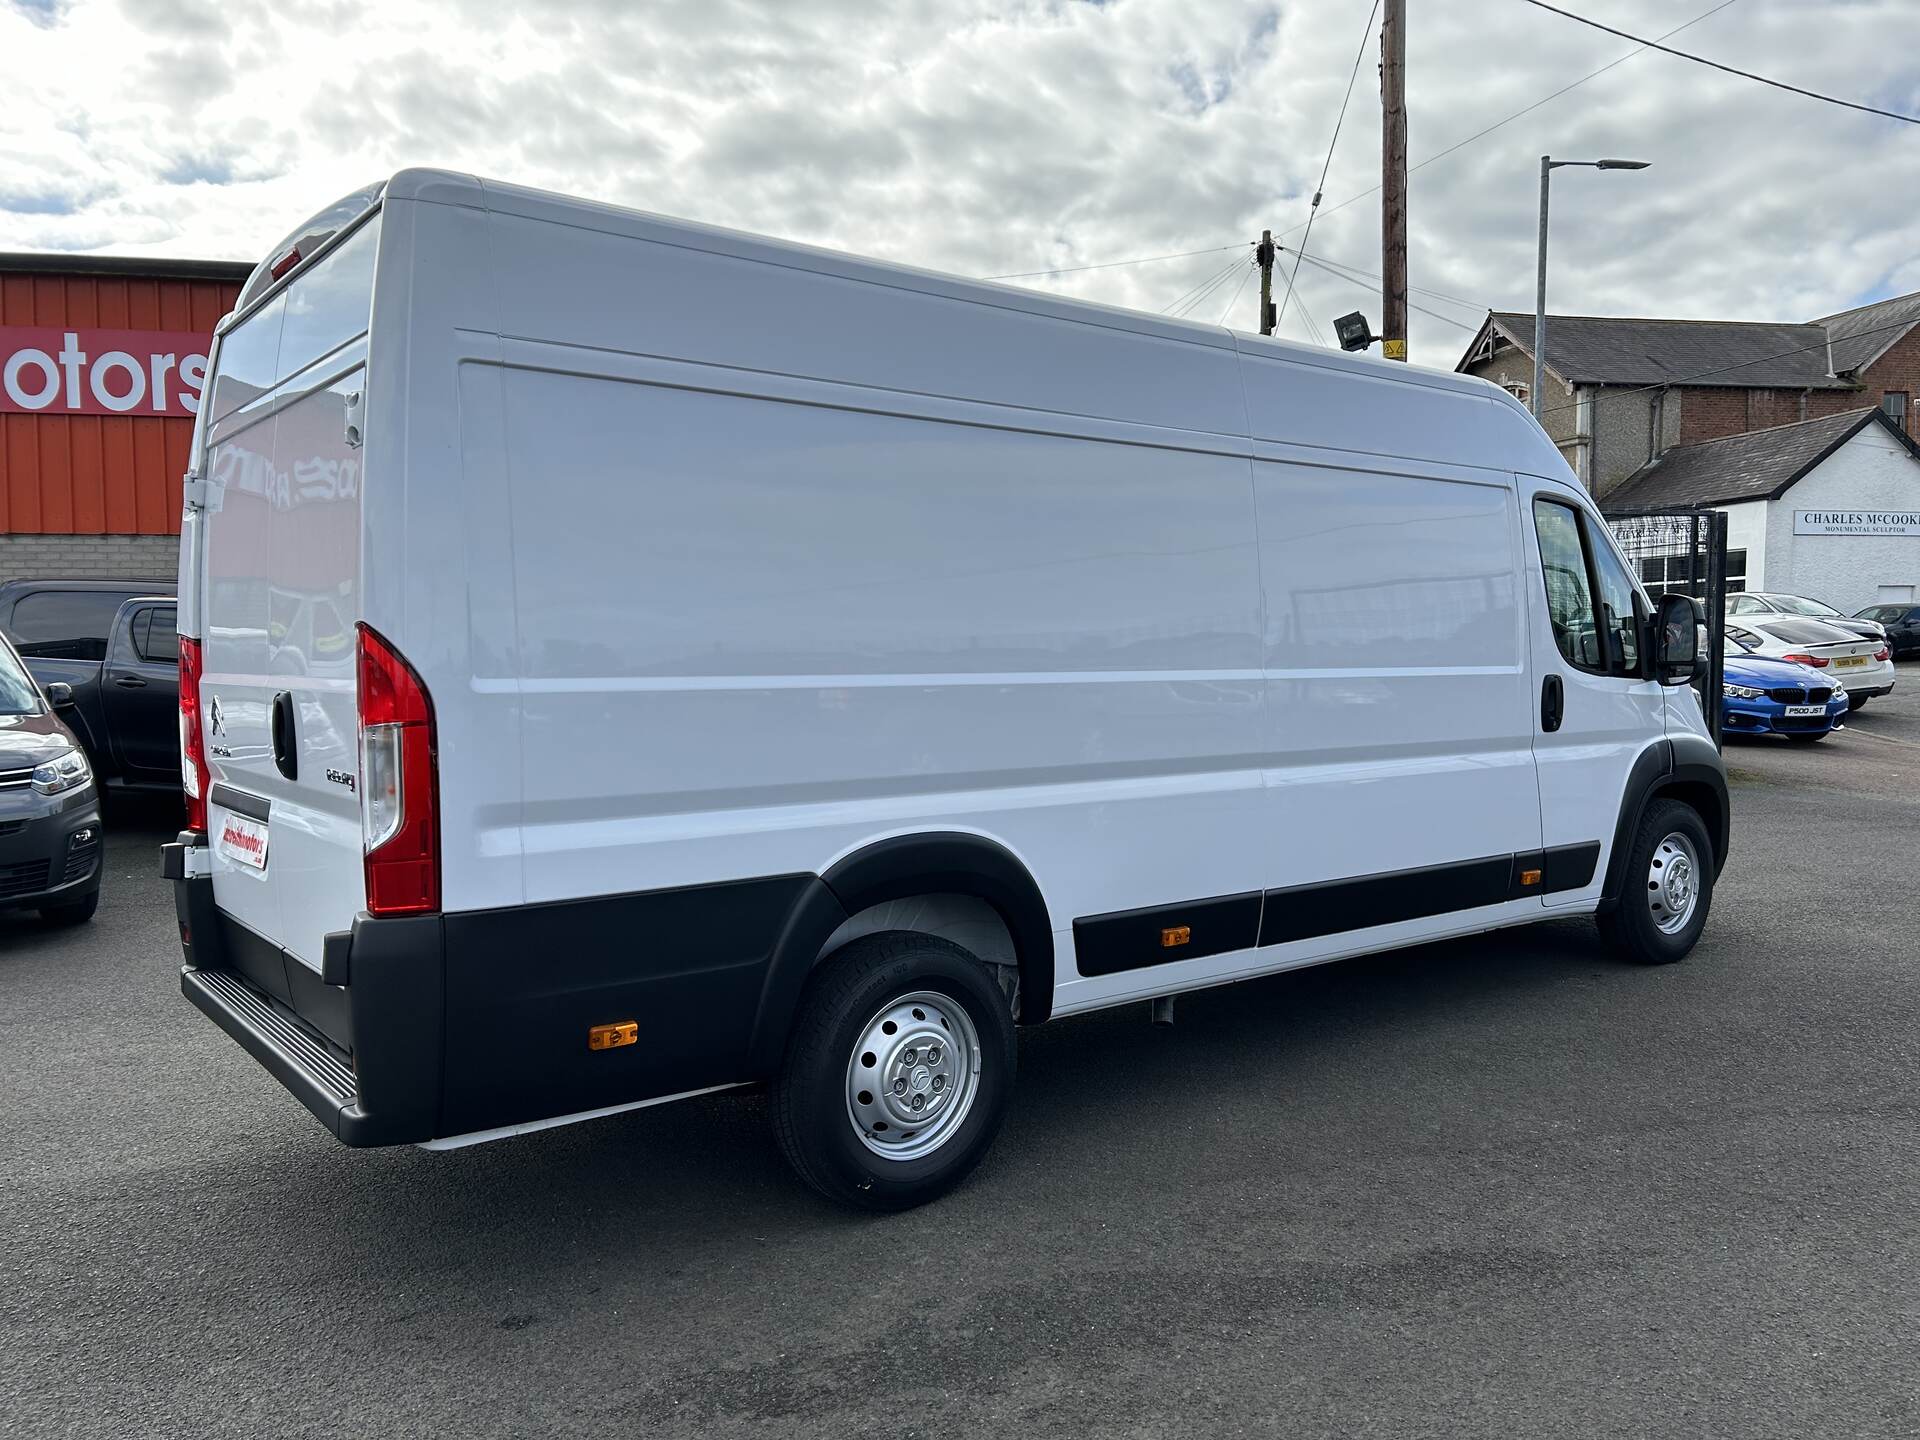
381,1089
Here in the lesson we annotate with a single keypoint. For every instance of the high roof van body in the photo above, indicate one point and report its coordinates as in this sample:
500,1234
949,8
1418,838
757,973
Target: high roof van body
624,658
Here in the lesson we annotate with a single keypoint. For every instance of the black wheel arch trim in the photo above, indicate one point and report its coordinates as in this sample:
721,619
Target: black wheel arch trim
1688,767
933,862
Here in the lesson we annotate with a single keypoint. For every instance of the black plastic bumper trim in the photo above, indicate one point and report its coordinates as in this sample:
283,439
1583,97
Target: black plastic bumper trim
1165,934
240,802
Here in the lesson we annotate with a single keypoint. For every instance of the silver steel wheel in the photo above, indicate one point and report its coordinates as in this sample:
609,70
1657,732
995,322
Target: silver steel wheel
912,1076
1673,883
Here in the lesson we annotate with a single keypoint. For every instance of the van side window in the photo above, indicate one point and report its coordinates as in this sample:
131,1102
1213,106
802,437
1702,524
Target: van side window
1563,560
1617,614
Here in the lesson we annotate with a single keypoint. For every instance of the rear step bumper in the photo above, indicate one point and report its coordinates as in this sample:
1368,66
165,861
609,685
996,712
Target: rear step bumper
387,1090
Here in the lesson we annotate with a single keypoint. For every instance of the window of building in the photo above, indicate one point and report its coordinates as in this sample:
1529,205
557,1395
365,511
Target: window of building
1894,402
1667,574
1519,389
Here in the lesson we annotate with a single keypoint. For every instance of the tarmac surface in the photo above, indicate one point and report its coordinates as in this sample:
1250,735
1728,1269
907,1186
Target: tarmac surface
1499,1187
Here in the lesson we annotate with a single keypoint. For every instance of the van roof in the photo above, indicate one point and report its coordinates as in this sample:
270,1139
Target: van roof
452,188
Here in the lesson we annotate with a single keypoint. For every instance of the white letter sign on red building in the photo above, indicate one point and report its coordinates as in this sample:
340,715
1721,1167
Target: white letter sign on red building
50,371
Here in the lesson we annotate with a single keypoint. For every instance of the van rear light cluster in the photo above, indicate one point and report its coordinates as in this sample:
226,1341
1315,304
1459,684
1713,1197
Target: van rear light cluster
399,797
193,745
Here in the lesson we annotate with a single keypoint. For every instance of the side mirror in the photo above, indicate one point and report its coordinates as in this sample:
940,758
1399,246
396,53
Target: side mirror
1679,654
60,695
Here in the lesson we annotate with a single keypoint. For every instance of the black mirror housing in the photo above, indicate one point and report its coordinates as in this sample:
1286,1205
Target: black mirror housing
1677,640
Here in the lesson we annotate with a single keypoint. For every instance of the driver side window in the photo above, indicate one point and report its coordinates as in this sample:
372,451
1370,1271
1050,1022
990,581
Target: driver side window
1619,618
1590,600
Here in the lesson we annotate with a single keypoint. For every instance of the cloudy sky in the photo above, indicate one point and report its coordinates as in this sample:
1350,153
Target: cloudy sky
986,137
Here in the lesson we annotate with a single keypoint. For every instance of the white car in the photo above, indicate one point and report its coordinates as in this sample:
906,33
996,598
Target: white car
1752,605
1861,667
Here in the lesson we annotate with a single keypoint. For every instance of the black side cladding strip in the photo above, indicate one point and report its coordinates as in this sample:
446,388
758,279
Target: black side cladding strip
238,801
1303,912
1135,939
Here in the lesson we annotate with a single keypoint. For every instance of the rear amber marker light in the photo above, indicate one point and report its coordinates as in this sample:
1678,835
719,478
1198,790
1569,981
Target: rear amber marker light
612,1037
1175,935
1529,877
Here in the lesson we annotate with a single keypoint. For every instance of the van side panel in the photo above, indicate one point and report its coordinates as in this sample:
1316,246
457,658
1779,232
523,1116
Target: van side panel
756,634
1396,670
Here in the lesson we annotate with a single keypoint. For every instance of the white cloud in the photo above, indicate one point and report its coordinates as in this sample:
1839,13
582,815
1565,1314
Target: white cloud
988,136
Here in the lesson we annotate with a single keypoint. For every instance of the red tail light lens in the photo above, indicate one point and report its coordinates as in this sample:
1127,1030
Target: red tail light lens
1816,661
399,786
1885,652
193,745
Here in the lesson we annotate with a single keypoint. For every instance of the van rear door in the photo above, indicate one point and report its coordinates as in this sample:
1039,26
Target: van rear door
281,598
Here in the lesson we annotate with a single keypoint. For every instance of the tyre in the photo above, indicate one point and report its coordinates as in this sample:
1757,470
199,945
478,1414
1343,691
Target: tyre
76,913
1857,702
1807,737
897,1074
1668,889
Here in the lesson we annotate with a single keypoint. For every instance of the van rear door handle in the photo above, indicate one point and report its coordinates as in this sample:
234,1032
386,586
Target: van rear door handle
285,749
1552,703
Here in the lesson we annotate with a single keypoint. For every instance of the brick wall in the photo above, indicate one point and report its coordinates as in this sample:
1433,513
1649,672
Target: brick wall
1898,369
84,557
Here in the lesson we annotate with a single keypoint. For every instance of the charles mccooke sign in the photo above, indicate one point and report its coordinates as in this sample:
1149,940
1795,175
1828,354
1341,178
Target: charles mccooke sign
1856,522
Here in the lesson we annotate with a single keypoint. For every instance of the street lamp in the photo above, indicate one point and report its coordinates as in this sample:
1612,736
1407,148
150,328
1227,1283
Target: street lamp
1547,165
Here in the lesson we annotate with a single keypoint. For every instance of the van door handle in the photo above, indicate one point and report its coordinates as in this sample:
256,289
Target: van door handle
130,682
285,748
1553,698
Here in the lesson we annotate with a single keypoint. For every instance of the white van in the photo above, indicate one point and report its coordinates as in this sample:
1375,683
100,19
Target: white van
624,659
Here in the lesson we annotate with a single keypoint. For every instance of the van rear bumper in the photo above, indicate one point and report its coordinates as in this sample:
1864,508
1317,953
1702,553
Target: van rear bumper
386,1090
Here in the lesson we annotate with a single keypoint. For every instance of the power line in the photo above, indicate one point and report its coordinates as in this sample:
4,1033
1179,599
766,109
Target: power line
1528,110
1327,165
1737,365
1728,69
1416,289
1112,264
1234,299
1206,292
1355,281
1194,291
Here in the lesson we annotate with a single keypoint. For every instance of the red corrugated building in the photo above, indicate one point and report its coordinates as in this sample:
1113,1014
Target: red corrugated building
101,363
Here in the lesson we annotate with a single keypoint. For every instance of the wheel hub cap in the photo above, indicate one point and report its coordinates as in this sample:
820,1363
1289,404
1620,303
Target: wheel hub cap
1673,886
912,1076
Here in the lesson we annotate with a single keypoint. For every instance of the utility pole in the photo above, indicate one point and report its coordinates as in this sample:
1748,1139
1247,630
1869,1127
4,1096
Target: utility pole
1393,181
1263,256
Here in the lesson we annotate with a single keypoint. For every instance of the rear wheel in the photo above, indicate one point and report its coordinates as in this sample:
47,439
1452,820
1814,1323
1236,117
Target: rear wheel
1663,902
76,913
898,1073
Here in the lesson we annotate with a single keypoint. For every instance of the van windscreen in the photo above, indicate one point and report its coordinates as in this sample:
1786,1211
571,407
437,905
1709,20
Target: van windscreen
318,313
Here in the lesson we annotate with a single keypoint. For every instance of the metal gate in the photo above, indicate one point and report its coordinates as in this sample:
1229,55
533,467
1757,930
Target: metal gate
1685,552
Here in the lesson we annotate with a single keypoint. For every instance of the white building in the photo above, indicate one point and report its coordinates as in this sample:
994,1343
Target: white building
1828,508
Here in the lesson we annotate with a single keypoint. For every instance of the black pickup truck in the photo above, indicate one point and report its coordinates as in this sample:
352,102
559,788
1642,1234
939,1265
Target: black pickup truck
113,643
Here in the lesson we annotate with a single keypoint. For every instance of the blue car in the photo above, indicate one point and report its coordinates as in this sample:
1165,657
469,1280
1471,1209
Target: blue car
1778,697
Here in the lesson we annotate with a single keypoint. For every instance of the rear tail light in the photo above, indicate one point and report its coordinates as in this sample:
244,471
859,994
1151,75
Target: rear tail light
399,787
1817,661
193,745
1883,653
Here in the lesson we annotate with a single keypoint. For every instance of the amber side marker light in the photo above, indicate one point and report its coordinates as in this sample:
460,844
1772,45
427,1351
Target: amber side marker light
1529,877
1175,935
612,1037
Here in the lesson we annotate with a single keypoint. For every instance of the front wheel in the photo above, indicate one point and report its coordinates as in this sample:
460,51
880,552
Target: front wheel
1663,902
898,1072
1807,737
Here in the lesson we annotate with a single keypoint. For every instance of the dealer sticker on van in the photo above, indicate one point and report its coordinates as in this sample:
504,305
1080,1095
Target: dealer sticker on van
243,840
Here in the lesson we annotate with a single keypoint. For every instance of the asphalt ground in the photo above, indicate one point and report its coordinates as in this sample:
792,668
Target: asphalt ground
1499,1187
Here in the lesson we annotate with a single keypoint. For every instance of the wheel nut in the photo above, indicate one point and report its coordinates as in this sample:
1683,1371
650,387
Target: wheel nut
900,1087
919,1102
933,1055
939,1082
